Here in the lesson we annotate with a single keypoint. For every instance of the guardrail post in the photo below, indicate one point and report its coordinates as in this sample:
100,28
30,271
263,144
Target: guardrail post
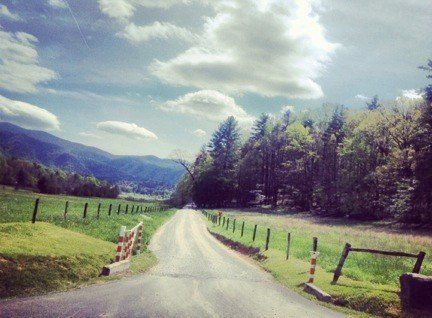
338,271
314,255
419,262
35,210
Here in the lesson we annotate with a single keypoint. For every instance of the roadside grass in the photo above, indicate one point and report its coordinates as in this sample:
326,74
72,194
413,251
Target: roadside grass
56,254
18,205
369,282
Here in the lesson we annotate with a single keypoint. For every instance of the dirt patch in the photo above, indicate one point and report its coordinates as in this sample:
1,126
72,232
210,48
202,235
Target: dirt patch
251,251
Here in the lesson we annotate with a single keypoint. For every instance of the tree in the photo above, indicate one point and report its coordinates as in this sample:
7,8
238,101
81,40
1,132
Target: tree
373,104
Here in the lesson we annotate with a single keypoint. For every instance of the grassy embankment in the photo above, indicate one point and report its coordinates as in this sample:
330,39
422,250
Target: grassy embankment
369,282
56,254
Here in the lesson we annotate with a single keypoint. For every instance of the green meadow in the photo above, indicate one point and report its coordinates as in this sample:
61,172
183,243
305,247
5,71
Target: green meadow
369,282
57,253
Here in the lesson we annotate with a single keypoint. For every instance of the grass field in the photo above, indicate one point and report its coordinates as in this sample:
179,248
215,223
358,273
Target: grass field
57,253
369,282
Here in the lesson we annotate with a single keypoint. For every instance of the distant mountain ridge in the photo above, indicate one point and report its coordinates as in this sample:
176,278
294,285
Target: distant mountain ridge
52,151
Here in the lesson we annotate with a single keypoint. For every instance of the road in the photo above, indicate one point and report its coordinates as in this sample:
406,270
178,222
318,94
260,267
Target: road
196,276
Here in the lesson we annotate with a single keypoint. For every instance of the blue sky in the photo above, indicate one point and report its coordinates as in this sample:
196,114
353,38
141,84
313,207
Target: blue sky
147,77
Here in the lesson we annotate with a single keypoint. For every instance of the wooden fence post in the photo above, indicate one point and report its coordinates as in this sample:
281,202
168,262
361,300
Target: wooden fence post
223,222
234,225
288,245
109,209
66,210
254,233
242,229
419,262
118,209
127,208
85,210
267,239
314,244
132,209
338,271
35,210
227,226
98,210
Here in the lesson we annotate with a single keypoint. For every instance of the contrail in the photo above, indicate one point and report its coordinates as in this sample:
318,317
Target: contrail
76,22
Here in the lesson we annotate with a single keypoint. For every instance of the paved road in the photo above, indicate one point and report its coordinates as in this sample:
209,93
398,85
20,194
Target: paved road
196,277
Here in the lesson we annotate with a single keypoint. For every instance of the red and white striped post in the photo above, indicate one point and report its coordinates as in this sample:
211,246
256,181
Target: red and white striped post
314,256
139,240
120,244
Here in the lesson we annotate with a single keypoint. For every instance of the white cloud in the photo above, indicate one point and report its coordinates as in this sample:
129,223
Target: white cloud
286,108
129,130
89,135
157,30
57,4
208,104
19,67
4,12
362,97
199,133
27,115
412,93
124,9
93,97
272,48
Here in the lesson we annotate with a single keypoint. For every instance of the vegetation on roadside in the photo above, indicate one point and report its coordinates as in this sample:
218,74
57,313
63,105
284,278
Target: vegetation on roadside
370,164
56,254
369,282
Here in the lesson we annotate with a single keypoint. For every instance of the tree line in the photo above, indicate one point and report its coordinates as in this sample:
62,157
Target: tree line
371,163
27,175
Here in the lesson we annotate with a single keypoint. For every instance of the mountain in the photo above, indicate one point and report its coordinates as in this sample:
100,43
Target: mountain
148,172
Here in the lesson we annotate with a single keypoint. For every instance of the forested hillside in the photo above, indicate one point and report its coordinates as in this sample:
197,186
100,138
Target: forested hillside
372,163
141,174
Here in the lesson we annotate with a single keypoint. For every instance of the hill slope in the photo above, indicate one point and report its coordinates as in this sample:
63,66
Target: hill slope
141,171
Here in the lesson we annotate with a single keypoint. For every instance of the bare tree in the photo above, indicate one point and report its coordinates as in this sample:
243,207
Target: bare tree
181,157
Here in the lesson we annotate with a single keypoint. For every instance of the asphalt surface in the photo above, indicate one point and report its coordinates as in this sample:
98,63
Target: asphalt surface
196,276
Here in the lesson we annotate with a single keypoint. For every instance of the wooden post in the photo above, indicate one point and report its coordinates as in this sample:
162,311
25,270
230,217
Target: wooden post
35,210
419,262
98,210
223,222
254,233
288,245
314,244
85,210
66,210
109,209
234,225
219,220
242,229
338,271
227,224
267,239
127,208
118,209
132,209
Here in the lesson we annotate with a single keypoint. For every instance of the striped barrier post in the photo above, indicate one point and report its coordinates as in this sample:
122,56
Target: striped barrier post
120,243
139,241
314,256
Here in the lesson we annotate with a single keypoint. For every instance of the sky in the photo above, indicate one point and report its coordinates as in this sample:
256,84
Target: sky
141,77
